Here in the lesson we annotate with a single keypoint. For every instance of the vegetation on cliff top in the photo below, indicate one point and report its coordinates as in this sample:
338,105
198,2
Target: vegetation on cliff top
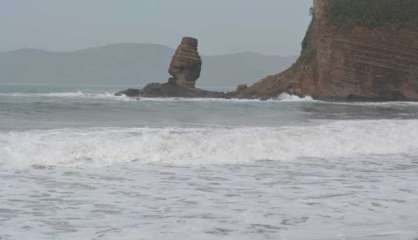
371,13
374,13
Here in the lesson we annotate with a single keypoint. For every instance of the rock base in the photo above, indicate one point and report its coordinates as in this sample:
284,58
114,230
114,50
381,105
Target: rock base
165,90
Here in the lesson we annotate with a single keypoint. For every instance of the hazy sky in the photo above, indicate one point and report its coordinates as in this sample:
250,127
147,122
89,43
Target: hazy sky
222,26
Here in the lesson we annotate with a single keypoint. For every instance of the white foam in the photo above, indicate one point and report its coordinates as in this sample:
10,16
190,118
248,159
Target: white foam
282,98
76,95
111,96
375,104
103,147
293,98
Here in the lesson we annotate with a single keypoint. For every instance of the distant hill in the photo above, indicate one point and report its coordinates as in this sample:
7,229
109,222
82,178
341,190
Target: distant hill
129,64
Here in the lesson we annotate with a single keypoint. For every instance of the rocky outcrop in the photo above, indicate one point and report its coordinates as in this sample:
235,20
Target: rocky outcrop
185,69
349,61
172,90
186,64
130,92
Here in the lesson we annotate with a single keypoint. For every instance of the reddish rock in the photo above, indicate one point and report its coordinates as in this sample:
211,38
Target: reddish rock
348,62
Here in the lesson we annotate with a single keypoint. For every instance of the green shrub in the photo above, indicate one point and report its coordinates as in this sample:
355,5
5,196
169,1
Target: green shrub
374,13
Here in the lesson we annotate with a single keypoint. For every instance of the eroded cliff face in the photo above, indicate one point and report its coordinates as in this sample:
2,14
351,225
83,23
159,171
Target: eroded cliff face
348,62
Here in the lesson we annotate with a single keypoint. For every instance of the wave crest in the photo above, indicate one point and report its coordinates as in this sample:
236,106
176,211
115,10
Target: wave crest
102,147
111,96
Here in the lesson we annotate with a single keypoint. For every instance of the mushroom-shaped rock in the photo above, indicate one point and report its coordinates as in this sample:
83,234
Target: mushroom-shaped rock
186,65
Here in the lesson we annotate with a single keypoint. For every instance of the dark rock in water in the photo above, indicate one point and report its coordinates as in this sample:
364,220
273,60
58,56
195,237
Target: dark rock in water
131,92
173,90
186,65
154,90
241,87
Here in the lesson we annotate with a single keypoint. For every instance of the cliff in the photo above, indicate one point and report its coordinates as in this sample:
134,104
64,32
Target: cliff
353,49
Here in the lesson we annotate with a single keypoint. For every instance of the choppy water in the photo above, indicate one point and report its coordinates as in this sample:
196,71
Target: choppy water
87,165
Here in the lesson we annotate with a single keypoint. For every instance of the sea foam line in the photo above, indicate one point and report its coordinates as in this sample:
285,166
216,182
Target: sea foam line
103,147
111,96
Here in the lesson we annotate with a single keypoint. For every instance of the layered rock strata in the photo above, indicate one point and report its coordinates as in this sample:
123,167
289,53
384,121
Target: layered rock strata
186,64
348,62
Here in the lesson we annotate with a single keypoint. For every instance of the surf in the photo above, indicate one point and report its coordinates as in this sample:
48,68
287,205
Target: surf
98,147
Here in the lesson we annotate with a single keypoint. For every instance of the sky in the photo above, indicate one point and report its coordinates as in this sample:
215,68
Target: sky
222,26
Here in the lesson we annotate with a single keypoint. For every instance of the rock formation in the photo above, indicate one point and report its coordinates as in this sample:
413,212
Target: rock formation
185,69
186,64
359,60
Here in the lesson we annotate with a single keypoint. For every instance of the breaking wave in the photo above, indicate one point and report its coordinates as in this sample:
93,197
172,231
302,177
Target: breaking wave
76,94
107,146
111,96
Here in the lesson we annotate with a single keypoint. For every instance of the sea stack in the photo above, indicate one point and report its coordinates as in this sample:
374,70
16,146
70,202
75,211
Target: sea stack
353,50
185,68
186,64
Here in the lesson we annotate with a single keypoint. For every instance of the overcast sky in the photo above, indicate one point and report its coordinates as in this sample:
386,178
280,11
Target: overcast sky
222,26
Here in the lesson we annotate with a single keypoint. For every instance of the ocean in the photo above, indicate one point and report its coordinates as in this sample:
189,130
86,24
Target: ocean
80,163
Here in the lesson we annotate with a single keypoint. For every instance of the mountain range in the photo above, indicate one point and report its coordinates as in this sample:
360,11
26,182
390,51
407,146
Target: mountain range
130,64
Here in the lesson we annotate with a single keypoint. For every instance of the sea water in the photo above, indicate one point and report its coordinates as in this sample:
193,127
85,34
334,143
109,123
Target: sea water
83,164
